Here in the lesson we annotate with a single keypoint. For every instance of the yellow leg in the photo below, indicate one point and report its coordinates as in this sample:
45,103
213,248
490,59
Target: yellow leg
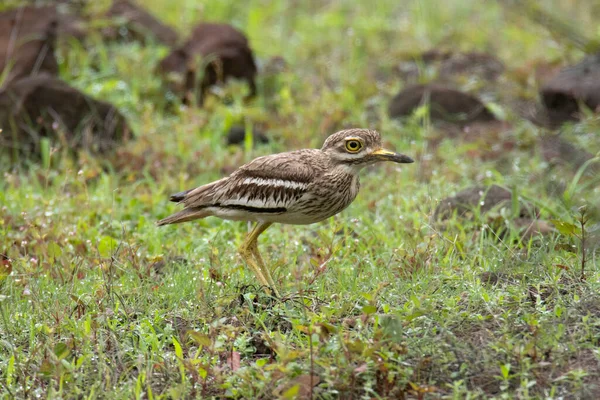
247,256
249,248
260,228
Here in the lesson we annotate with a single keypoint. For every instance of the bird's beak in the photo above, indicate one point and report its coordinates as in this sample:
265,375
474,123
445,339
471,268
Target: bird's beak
386,155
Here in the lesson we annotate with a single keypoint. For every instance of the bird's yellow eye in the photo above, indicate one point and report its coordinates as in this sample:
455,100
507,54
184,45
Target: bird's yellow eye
353,146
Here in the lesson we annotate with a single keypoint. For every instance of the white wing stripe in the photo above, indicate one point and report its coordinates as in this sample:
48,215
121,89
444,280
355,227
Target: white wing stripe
254,203
276,183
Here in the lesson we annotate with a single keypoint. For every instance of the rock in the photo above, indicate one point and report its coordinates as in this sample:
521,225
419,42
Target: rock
494,140
557,151
537,114
43,106
71,26
272,82
580,83
531,228
275,65
494,278
445,104
237,134
482,198
133,22
483,65
221,50
27,42
452,64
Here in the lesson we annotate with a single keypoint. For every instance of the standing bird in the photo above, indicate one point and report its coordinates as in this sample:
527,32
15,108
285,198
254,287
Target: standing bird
298,187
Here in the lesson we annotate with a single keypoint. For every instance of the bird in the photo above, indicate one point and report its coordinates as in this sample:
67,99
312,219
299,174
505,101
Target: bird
297,187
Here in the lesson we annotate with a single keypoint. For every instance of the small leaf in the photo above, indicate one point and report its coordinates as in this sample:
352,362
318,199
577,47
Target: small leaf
10,370
199,338
414,315
178,349
301,328
46,367
61,350
301,387
565,228
367,296
179,354
5,267
369,309
261,362
54,250
505,370
45,152
291,392
107,246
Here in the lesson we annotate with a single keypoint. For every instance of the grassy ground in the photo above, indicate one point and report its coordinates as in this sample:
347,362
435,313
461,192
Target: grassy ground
380,302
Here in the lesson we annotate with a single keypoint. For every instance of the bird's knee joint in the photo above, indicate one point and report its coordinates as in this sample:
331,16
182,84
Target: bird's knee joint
244,250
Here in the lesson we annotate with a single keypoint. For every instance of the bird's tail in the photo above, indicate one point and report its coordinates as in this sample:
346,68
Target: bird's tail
178,197
187,214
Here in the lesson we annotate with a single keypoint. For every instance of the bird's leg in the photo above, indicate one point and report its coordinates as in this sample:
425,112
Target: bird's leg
246,250
246,254
260,228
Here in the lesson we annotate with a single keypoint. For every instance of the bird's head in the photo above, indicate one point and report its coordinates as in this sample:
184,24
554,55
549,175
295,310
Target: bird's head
357,148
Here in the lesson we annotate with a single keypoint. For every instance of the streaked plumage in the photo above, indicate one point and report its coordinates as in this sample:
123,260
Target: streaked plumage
298,187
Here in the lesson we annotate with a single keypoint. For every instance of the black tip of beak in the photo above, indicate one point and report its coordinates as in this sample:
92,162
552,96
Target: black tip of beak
401,158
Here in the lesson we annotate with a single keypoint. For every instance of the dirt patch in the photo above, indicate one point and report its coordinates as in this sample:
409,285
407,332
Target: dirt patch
132,22
27,42
483,65
212,54
481,198
450,65
558,151
494,139
45,107
487,203
237,134
445,104
573,86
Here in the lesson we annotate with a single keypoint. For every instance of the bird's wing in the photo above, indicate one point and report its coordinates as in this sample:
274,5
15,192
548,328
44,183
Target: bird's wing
294,166
202,196
272,182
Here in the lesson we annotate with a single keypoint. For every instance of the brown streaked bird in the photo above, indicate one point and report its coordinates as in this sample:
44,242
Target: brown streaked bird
298,187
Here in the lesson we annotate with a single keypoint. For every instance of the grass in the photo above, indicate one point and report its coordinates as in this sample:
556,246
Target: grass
380,301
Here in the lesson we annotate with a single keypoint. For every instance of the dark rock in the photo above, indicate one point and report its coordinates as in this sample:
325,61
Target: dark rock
557,151
480,64
445,104
262,347
220,50
494,278
580,83
272,82
27,42
71,26
275,65
484,199
537,114
530,228
449,65
134,23
43,106
237,134
494,139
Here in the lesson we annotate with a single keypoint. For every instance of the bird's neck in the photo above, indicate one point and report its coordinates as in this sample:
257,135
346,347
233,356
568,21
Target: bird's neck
346,168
